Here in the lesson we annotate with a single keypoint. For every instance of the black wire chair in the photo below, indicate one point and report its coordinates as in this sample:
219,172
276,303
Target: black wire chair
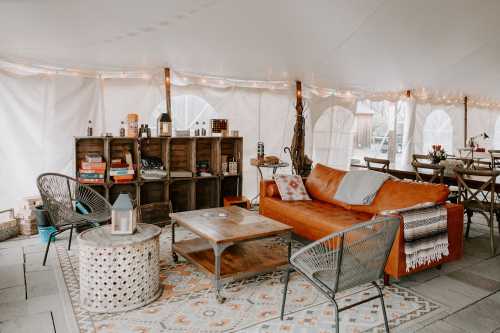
346,259
70,204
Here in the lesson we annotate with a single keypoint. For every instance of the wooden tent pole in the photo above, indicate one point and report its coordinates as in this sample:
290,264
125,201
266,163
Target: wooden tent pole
465,121
167,92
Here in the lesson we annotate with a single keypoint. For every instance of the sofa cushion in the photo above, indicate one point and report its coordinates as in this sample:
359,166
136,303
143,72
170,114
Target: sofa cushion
311,219
323,182
291,187
397,194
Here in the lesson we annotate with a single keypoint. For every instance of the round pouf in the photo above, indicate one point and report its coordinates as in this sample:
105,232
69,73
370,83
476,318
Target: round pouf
119,272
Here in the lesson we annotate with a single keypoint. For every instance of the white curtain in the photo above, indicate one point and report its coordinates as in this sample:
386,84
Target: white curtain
41,114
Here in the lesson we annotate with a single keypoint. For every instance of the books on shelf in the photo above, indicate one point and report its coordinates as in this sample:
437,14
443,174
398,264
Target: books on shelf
91,180
92,169
121,171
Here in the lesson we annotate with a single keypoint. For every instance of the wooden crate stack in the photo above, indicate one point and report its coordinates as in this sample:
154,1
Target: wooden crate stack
26,216
182,157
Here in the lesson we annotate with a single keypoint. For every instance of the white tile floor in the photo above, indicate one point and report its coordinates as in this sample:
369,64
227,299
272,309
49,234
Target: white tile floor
30,300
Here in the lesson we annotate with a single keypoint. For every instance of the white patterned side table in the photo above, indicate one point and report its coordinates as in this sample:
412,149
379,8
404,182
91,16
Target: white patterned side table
119,272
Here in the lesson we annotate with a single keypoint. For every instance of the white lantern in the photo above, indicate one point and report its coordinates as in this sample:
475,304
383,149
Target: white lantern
123,216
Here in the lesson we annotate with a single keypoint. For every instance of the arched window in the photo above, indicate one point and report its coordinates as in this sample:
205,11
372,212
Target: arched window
438,129
187,110
333,137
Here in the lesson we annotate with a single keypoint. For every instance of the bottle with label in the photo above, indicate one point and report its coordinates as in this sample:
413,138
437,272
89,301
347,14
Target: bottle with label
164,125
148,131
197,129
122,129
203,129
89,129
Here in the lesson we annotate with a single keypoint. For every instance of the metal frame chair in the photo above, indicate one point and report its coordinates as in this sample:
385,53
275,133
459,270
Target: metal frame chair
60,194
346,259
370,161
480,200
436,169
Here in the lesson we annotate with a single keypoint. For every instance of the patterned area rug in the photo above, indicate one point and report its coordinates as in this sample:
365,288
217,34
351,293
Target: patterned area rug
253,305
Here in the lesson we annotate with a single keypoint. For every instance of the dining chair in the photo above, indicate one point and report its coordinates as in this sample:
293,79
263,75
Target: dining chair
346,259
377,164
481,200
70,204
420,158
494,158
428,172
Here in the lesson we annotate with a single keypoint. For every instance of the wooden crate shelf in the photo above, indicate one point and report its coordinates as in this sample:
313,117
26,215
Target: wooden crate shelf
207,149
182,154
207,192
176,153
182,195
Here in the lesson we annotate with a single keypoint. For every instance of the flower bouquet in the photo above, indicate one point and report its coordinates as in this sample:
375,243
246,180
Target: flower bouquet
437,154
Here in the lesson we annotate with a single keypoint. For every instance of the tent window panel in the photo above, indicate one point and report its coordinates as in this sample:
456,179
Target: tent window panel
438,129
378,131
496,135
333,137
188,110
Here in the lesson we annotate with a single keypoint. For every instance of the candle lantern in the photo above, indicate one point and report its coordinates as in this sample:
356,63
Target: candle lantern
123,216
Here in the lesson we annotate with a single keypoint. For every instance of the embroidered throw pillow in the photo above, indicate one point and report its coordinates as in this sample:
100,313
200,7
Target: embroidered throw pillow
291,187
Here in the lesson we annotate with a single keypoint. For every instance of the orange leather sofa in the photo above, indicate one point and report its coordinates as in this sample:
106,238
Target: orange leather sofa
323,214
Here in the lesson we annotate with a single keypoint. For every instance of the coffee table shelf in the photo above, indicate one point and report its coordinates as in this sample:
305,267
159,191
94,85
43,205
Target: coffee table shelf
237,261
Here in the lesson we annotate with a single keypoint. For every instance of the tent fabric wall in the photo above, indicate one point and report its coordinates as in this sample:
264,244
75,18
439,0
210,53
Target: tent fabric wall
42,113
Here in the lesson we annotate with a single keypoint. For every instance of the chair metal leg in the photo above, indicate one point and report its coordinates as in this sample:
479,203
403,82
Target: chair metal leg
381,294
492,236
337,316
285,290
48,246
70,237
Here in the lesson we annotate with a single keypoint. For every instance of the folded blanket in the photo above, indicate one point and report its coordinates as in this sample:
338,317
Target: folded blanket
426,235
359,187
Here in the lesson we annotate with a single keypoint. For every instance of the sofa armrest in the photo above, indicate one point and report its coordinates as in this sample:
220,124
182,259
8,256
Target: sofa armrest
268,188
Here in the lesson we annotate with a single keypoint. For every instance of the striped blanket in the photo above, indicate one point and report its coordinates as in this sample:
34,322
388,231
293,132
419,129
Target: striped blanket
426,235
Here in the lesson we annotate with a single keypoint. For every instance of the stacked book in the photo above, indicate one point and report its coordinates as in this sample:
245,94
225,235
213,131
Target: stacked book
92,169
121,171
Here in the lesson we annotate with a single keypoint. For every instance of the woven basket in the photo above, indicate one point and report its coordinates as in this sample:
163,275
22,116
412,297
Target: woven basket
10,227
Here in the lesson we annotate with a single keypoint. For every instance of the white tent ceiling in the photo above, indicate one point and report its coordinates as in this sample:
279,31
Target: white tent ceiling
448,45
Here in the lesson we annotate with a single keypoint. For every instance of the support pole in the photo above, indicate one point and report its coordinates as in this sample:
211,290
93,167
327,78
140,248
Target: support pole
167,92
465,121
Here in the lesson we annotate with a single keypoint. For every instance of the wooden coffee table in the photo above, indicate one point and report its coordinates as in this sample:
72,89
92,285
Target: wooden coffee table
233,243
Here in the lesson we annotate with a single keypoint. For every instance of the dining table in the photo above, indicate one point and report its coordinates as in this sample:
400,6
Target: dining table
406,171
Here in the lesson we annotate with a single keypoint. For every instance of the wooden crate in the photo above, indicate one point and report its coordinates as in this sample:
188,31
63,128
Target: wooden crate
118,147
182,195
207,149
182,154
84,146
154,191
207,193
232,147
155,147
230,186
157,213
116,189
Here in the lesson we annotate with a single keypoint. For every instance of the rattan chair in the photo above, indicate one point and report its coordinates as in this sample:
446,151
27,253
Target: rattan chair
482,200
346,259
60,195
377,164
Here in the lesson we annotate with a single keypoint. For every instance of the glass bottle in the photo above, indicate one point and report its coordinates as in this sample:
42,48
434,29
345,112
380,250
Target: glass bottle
141,130
203,129
148,131
122,129
164,125
197,129
89,129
